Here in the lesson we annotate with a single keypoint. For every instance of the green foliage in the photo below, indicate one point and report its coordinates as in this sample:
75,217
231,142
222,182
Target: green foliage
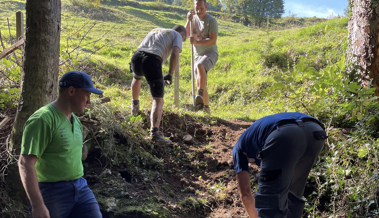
256,10
374,3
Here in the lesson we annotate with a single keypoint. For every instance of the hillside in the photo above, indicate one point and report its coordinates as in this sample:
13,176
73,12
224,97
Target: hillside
259,72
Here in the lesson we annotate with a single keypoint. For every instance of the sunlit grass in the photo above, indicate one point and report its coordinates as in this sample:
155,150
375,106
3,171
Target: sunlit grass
236,83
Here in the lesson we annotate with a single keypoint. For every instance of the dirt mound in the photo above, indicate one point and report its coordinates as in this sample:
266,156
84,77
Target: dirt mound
180,180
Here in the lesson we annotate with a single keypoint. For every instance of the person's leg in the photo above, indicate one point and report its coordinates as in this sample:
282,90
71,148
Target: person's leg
203,65
153,73
201,82
136,88
136,69
58,198
302,169
156,112
280,154
86,205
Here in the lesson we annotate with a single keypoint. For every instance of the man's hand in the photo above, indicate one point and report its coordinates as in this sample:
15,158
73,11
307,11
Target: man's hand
192,40
40,212
168,79
190,15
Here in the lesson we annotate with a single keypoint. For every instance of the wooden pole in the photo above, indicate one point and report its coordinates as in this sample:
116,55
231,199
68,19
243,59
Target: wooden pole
192,71
176,88
19,25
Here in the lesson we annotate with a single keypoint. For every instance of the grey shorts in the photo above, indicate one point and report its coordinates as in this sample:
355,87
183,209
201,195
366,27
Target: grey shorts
208,60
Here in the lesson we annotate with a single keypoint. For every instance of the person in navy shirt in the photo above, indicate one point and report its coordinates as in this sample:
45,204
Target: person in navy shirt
285,146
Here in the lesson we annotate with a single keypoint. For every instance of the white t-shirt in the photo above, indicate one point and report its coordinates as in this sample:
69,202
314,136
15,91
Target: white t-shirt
160,42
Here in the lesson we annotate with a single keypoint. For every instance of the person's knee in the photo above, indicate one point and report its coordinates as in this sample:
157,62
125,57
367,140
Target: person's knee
157,88
158,102
201,70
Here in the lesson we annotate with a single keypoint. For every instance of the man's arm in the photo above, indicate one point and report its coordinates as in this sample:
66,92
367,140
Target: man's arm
28,174
208,41
243,180
189,19
174,59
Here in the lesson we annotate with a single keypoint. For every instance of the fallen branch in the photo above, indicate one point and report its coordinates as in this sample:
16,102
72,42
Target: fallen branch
5,121
89,121
12,48
102,100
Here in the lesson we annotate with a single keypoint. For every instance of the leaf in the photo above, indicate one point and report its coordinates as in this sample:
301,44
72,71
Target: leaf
362,152
366,102
359,116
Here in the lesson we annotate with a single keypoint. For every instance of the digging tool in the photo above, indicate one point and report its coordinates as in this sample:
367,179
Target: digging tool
192,71
176,88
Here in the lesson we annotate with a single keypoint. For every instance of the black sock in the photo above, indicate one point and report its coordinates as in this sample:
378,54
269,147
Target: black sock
135,102
206,106
200,92
154,129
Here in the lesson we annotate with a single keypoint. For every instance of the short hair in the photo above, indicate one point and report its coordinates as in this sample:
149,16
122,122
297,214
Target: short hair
180,29
61,90
205,1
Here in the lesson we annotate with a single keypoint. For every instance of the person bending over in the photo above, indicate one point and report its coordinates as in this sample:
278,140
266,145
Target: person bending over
285,146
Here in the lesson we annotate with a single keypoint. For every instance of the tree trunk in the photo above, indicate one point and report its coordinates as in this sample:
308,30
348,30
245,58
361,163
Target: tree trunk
362,58
39,74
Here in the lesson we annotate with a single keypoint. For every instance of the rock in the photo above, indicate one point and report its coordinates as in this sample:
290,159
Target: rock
111,204
188,139
231,165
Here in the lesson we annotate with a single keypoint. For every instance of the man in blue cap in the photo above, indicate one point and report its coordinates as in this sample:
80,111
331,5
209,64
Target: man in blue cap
50,163
285,146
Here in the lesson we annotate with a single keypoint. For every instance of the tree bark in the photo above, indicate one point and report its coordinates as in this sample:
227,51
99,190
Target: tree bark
39,74
362,57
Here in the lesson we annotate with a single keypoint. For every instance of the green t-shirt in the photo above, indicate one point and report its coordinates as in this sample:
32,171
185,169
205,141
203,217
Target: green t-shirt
57,143
201,29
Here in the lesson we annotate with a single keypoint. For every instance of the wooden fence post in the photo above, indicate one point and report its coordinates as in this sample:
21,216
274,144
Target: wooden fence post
19,25
176,88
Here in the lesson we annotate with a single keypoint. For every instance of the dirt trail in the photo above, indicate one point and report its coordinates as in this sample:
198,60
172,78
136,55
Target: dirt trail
182,180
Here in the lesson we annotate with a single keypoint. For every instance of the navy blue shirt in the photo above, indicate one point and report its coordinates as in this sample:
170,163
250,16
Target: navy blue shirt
253,139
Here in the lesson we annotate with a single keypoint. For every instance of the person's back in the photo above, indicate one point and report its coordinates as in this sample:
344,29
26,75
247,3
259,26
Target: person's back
160,42
147,62
285,146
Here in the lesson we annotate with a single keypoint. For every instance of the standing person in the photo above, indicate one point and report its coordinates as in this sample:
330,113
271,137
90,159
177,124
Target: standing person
147,62
285,145
50,163
205,31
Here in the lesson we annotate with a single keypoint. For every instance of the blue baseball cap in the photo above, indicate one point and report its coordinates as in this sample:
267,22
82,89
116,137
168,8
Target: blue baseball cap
78,79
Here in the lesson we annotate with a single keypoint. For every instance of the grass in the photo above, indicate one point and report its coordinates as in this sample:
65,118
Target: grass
236,82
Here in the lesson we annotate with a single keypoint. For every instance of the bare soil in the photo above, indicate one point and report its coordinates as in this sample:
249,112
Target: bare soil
179,180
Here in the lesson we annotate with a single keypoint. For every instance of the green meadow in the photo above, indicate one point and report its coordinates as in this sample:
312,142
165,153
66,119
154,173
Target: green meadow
247,57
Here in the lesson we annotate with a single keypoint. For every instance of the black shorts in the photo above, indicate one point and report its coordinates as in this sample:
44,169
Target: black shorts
149,66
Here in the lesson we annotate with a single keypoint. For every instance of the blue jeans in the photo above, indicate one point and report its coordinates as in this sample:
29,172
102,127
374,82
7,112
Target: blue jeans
70,199
287,158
